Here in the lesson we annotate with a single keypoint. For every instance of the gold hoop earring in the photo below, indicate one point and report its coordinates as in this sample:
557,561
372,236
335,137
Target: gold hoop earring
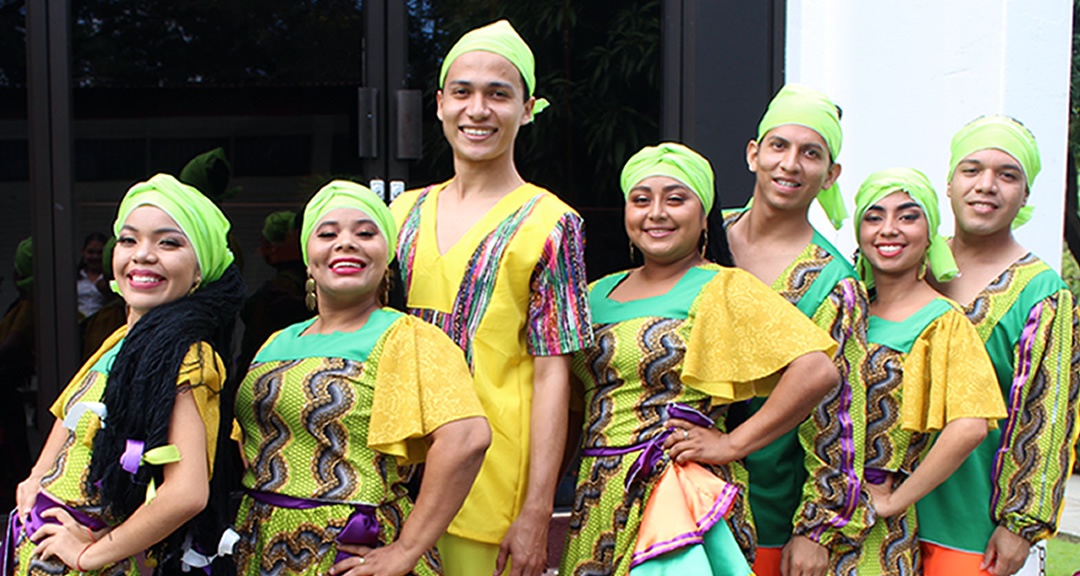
922,270
705,244
309,294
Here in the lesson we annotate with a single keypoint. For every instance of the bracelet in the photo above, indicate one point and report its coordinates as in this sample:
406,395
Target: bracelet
78,561
91,533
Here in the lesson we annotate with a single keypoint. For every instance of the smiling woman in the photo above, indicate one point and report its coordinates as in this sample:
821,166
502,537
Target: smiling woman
928,371
134,453
390,390
153,261
678,340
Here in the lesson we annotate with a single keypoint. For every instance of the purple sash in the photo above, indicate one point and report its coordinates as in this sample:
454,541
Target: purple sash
362,528
652,450
34,522
875,475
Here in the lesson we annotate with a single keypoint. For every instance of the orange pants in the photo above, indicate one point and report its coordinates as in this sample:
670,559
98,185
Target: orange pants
942,561
767,561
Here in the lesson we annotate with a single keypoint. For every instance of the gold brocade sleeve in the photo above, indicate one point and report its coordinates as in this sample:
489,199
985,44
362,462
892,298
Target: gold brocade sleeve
948,375
203,373
742,334
421,383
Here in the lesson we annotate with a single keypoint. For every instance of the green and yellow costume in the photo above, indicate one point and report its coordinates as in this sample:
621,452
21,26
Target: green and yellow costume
338,419
719,336
921,373
202,372
807,481
1016,477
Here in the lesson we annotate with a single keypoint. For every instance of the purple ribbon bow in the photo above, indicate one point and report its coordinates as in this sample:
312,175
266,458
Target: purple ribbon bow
131,459
362,528
653,450
34,522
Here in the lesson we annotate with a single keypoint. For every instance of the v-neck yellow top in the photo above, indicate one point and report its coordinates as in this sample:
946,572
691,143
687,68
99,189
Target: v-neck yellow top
513,287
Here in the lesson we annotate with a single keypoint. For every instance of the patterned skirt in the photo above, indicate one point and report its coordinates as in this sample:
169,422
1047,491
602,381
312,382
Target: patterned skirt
277,541
607,517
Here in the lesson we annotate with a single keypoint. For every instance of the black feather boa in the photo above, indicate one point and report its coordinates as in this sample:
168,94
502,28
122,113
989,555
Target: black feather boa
139,396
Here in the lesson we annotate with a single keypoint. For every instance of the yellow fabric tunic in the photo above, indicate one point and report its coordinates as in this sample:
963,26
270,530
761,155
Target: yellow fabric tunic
202,372
511,288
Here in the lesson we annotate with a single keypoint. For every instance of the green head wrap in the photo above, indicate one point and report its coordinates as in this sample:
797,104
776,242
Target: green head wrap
210,173
674,161
199,218
106,258
1005,134
278,224
24,263
798,104
345,194
885,182
498,38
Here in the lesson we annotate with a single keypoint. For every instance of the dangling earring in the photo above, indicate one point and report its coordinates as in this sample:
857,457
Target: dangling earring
922,270
631,251
387,283
705,244
309,294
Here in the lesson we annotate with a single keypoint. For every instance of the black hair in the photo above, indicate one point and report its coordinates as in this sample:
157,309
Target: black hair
140,394
94,237
718,250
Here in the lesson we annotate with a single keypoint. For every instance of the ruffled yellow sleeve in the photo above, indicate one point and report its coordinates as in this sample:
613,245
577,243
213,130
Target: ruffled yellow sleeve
948,375
203,372
421,383
57,408
741,335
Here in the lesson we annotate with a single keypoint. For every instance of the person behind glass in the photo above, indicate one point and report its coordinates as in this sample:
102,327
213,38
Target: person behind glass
805,487
128,464
931,393
1010,492
90,269
279,302
678,340
498,264
109,317
17,368
335,409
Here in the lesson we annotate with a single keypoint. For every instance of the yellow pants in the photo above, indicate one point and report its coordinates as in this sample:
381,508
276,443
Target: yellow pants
464,557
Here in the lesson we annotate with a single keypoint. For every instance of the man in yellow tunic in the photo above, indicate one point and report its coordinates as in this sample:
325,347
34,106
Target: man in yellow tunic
498,264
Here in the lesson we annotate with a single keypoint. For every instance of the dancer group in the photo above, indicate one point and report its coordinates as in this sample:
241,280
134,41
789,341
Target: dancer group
744,401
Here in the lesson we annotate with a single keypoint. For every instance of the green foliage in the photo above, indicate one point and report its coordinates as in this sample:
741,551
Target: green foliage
1062,557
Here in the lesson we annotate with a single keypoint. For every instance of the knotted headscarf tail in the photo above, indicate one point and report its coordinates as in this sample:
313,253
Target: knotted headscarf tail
498,38
346,194
889,181
674,161
804,106
1005,134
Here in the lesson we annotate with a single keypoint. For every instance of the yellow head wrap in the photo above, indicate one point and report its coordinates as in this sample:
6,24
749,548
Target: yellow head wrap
1005,134
199,218
891,180
498,38
345,194
798,104
674,161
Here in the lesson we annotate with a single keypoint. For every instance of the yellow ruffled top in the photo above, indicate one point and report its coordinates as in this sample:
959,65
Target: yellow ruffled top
742,335
948,375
